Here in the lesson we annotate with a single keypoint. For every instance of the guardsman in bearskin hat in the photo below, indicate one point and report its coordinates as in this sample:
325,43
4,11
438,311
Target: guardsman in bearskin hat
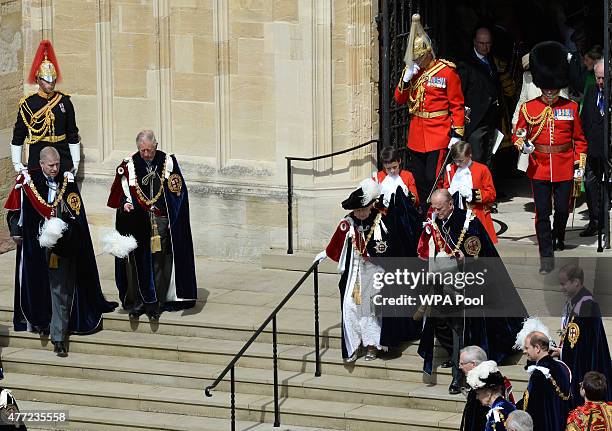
46,118
432,89
57,287
549,129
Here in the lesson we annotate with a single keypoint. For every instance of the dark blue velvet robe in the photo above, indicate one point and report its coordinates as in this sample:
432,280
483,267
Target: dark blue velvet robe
547,409
137,223
495,335
404,224
591,351
505,408
32,293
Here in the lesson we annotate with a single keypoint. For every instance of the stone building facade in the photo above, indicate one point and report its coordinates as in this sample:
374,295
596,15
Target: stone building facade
231,87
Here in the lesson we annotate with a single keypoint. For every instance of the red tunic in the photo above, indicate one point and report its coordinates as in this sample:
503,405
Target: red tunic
407,178
483,181
435,89
598,413
567,131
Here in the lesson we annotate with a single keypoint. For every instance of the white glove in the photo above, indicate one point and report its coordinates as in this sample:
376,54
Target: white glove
452,142
16,158
578,173
75,154
410,72
466,192
320,257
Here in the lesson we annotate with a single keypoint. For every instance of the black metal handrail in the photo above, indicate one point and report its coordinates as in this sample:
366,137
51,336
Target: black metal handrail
290,184
272,317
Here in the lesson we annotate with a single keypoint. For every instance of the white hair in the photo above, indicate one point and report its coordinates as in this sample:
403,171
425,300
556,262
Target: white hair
519,420
474,354
145,135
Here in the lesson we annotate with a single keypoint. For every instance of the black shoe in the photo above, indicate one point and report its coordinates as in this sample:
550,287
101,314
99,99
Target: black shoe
454,387
136,312
60,349
590,230
153,316
547,264
447,364
558,244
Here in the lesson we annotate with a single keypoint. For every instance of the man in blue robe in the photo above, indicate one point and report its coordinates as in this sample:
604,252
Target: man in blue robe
57,287
152,203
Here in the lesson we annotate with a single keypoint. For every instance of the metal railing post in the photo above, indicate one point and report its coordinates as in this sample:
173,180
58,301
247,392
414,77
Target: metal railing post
316,322
289,208
275,361
233,398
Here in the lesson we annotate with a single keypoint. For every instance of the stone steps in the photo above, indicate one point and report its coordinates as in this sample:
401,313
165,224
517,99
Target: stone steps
202,350
85,418
191,402
390,393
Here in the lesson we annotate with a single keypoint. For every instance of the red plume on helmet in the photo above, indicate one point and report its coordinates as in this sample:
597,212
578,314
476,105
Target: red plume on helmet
45,52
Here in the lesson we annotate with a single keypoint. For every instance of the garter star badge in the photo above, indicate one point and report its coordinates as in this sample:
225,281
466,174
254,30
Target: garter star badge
74,202
573,332
381,247
472,246
175,184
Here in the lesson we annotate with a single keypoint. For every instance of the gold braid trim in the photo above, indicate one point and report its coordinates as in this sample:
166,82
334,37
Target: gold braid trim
525,399
564,332
546,116
42,123
58,198
142,197
415,102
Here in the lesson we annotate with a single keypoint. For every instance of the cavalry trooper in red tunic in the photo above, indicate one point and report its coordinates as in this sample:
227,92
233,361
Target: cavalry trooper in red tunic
432,89
549,129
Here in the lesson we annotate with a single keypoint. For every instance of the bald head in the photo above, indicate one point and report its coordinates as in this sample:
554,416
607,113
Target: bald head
483,41
536,345
49,161
49,153
442,203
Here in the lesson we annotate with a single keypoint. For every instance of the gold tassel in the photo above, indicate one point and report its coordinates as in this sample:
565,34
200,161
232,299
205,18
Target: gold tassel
357,291
53,261
155,238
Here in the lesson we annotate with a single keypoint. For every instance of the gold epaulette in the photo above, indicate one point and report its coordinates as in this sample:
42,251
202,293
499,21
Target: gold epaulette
23,99
448,63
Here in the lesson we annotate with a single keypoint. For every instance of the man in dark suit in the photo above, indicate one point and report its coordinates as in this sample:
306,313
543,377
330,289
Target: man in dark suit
593,116
482,92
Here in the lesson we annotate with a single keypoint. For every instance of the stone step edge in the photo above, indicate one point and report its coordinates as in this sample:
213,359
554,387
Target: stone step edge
212,371
258,403
108,416
165,320
334,356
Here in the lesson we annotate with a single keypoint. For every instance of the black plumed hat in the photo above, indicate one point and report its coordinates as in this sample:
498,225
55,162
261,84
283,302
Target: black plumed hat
549,66
368,192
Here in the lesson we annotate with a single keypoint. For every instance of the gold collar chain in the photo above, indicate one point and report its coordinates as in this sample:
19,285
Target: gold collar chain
142,197
441,242
58,198
369,237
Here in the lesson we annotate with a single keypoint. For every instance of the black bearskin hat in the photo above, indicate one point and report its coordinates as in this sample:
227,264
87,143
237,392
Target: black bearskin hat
549,66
